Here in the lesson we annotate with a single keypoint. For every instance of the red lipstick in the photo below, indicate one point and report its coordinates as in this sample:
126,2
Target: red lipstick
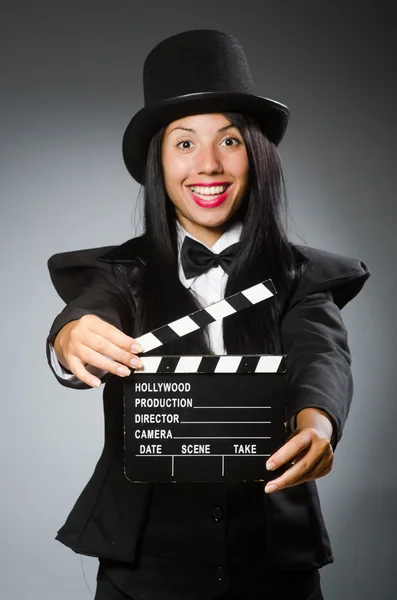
213,203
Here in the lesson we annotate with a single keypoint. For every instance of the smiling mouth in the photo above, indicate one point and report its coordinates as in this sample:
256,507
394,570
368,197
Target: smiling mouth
209,192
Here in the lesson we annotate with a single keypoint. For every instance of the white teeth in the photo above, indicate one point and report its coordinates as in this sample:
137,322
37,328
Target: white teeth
209,191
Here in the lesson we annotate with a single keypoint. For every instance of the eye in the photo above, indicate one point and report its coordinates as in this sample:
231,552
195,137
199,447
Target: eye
184,145
231,141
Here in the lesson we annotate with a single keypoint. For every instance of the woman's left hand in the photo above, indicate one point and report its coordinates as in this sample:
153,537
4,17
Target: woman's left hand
309,449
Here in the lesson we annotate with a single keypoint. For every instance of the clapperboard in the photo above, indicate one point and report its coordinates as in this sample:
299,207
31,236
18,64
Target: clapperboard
204,418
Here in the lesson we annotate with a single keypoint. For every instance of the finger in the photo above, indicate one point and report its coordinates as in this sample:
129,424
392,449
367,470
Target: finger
96,359
76,366
319,470
112,333
298,470
287,479
110,350
311,473
327,448
296,445
298,457
107,340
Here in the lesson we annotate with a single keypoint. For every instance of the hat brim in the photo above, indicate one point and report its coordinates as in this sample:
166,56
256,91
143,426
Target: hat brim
272,117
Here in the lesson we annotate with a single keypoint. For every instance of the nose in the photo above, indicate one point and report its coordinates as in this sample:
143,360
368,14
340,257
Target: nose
208,160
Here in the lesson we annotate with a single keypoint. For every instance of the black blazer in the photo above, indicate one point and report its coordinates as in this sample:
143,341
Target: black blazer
108,517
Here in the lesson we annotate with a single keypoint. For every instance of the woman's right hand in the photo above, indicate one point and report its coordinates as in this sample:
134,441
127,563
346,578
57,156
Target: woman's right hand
90,340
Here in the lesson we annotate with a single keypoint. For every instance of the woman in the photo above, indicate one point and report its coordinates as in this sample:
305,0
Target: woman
204,147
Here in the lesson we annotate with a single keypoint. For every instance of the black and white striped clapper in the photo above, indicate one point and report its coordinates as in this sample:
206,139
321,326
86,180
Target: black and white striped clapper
208,314
204,418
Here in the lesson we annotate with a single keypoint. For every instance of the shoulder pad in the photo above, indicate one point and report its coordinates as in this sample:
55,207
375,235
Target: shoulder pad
342,275
70,272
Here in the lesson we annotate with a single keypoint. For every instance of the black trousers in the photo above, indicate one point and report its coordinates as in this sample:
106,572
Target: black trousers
107,591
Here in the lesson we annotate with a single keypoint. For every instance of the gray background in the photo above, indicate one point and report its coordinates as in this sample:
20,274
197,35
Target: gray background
71,80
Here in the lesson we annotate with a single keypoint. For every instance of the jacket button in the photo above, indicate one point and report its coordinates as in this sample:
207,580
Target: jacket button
217,513
220,573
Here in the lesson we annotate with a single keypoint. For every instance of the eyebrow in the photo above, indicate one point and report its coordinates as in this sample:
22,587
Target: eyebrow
194,131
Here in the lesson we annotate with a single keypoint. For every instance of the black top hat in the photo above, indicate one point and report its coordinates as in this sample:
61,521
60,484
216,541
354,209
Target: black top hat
195,72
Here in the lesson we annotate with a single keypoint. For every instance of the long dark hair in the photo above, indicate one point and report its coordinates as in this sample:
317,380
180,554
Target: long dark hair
265,252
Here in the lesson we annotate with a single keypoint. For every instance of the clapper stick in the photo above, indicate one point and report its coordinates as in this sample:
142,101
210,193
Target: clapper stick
213,312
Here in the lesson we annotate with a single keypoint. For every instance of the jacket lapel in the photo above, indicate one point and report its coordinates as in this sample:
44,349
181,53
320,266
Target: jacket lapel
131,251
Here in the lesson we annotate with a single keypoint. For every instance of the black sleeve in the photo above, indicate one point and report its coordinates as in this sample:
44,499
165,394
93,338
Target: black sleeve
100,292
315,340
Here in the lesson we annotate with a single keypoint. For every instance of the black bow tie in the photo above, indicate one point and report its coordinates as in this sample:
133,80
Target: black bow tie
196,259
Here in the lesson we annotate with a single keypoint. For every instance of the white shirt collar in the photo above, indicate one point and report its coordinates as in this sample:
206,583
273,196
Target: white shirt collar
231,236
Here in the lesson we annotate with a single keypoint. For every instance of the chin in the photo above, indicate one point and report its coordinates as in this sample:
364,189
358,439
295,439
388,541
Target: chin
213,218
212,223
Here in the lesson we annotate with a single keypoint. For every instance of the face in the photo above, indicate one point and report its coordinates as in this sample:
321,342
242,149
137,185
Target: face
205,167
